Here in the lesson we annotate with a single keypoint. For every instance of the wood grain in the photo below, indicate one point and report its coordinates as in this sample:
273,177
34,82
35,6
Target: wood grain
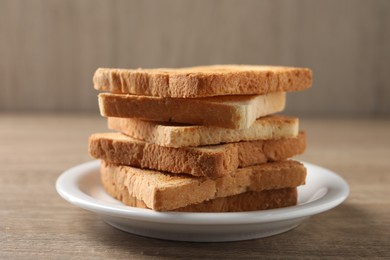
50,49
36,223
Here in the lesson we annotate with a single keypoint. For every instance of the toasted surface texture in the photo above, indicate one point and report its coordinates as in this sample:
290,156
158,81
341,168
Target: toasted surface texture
162,191
204,81
237,112
247,201
170,135
210,161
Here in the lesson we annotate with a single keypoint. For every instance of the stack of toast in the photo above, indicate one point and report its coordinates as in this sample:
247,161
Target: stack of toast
200,139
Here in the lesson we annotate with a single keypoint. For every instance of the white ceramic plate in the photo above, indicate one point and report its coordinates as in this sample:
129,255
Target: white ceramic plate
81,186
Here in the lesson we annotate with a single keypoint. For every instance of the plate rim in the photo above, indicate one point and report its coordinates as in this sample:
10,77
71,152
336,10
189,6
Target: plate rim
336,193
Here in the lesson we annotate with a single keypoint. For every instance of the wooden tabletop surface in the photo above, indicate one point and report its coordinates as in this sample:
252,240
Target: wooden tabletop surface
36,223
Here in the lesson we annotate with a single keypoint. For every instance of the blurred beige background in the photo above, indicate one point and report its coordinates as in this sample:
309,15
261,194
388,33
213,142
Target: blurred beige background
49,49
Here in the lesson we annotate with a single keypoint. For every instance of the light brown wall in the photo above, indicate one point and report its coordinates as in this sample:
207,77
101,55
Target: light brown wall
49,49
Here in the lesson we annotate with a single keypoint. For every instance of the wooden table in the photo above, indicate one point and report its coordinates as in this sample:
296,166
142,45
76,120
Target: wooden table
35,223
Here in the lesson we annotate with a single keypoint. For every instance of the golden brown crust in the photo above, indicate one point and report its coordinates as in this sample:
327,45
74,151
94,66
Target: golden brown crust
247,201
203,81
161,191
209,161
117,148
256,152
236,112
165,134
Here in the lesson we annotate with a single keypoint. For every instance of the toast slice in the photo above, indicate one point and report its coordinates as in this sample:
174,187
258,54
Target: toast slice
204,81
171,135
205,161
236,112
247,201
162,191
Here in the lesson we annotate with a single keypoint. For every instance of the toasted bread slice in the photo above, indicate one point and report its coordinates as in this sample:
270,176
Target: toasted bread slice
247,201
236,112
209,161
171,135
162,191
205,81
